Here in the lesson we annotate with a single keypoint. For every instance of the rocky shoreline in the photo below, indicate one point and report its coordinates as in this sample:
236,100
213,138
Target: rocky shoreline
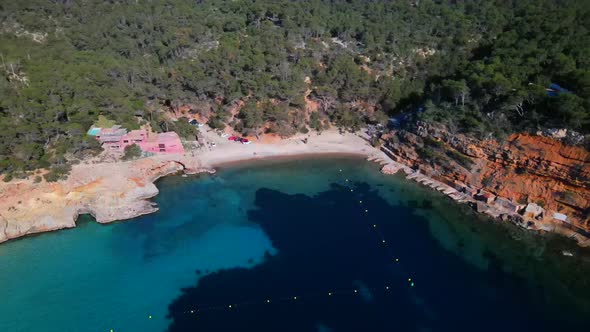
122,190
108,192
490,209
534,182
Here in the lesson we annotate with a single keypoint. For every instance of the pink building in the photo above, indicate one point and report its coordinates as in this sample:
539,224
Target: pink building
110,137
138,137
118,138
162,143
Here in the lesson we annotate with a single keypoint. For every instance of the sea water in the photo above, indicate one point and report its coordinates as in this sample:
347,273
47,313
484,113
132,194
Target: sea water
308,245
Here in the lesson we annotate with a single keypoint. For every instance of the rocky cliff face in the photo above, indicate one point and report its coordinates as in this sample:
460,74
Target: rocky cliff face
523,168
109,192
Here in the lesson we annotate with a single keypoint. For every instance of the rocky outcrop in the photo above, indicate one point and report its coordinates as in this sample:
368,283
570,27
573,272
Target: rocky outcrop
107,191
523,168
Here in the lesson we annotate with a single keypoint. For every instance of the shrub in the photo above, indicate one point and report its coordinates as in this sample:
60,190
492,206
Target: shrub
58,172
103,122
184,130
487,181
315,122
216,123
38,179
132,151
376,142
8,177
433,143
460,158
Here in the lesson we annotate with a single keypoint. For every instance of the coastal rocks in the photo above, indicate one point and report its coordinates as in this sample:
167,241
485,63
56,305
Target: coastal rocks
513,218
198,170
133,203
109,192
391,168
563,134
473,151
519,170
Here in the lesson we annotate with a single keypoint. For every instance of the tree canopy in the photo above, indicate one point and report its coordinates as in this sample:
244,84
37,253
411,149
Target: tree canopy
481,66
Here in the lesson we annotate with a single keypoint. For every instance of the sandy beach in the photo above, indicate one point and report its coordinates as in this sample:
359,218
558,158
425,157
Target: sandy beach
112,191
329,142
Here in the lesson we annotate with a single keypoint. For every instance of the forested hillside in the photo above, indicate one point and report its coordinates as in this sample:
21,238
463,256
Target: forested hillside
482,67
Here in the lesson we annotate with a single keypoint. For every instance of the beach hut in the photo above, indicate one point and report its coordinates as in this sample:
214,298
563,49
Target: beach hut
507,204
534,211
560,216
484,197
466,189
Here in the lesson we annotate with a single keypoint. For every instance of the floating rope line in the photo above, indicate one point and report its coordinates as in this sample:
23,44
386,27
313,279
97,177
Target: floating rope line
197,309
282,300
378,233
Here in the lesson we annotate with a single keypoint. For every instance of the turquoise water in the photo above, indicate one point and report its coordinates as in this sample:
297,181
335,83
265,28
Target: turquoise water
132,275
97,278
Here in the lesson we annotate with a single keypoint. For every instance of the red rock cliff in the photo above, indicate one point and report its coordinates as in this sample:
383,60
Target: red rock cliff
523,168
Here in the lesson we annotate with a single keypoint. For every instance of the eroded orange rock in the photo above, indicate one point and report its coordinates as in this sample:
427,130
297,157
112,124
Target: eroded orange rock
523,168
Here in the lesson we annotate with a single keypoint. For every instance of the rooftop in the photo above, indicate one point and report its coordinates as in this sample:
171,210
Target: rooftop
559,216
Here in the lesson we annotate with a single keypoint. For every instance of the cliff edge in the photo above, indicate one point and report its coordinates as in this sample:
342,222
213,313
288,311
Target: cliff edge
111,191
521,170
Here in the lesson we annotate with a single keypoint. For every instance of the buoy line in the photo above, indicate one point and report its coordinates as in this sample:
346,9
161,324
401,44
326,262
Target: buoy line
285,299
198,309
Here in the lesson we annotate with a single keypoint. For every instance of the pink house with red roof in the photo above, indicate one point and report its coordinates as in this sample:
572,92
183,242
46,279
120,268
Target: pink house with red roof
118,138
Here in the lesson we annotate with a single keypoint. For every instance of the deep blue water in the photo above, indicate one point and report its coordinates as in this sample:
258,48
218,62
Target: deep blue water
311,245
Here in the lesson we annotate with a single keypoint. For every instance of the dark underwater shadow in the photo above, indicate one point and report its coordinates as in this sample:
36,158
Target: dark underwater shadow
334,272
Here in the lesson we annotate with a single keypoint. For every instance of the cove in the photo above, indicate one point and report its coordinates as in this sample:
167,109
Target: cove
294,233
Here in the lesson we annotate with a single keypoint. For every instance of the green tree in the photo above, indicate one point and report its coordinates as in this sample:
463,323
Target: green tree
131,152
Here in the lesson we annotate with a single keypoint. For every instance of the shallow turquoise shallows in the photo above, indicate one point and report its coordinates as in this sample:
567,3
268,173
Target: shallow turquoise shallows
124,276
